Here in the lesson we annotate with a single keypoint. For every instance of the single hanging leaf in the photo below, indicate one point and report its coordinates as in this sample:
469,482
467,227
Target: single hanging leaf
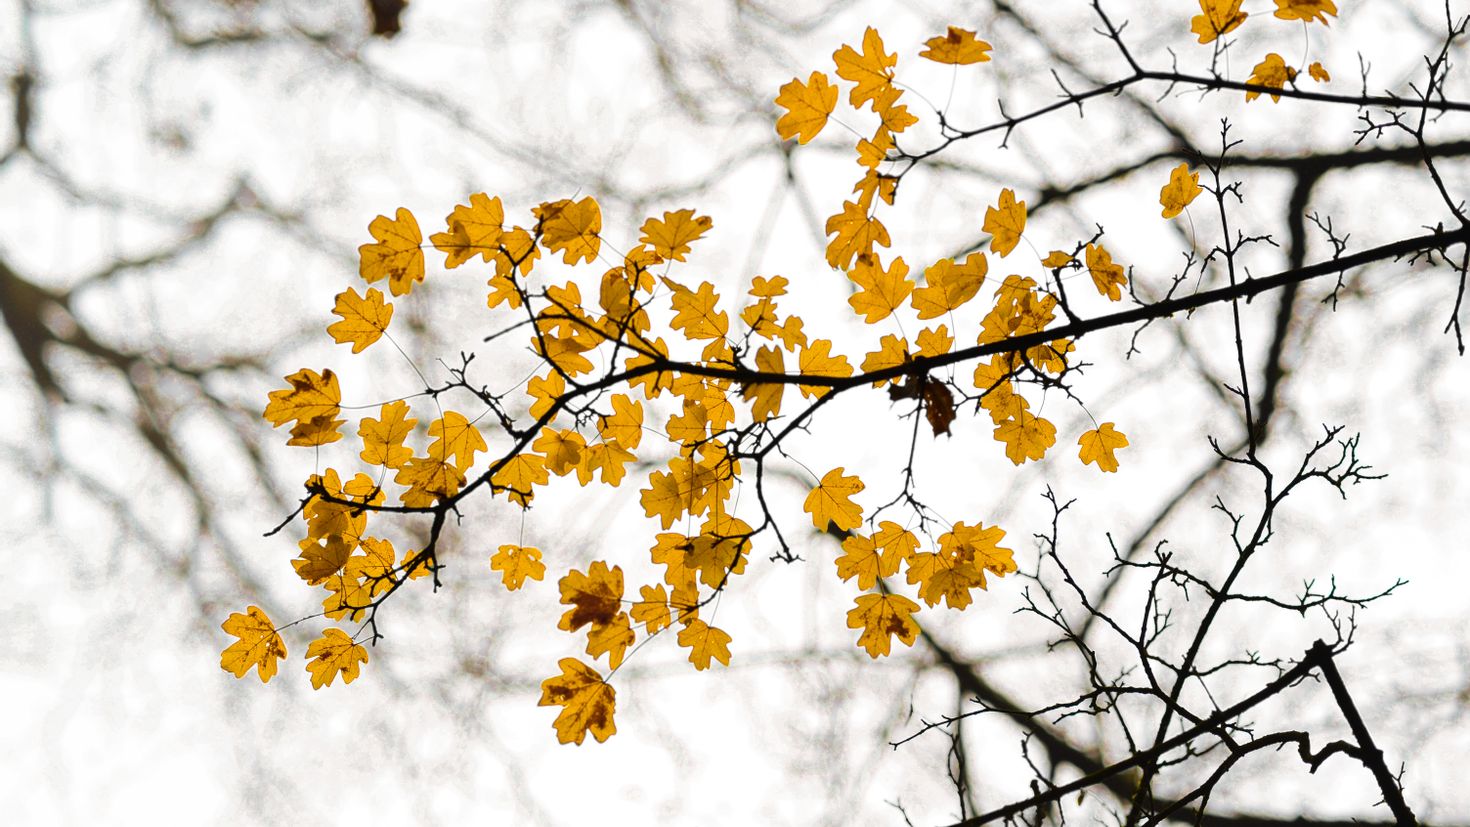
396,256
705,643
652,611
808,105
456,438
382,438
1182,188
312,400
334,653
1107,277
1025,436
516,564
872,70
1216,17
856,233
1098,446
258,645
816,360
883,617
831,501
671,237
956,46
1005,222
1056,259
1306,10
587,702
1272,72
882,292
1319,73
364,318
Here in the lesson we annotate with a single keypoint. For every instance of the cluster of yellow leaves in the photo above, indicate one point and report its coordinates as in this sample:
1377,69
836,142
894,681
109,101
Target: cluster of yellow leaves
1220,17
702,544
964,555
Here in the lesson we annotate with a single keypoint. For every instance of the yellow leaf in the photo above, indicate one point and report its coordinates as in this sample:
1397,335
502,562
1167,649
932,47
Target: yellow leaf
625,424
856,233
652,611
1005,222
608,458
896,118
947,285
562,449
455,438
671,237
807,105
696,312
1107,277
1272,72
364,319
1319,73
1305,10
571,228
871,558
611,639
892,351
882,617
934,341
474,228
518,476
314,432
334,653
396,256
831,501
1056,259
1182,188
875,183
958,47
881,291
705,642
815,360
1098,446
516,564
382,439
689,426
664,498
428,479
545,390
872,70
322,558
258,645
1025,437
1216,17
310,396
595,597
766,396
587,702
518,253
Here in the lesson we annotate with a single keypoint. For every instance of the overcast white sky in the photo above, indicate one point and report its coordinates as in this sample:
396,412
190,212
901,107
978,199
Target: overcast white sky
114,588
